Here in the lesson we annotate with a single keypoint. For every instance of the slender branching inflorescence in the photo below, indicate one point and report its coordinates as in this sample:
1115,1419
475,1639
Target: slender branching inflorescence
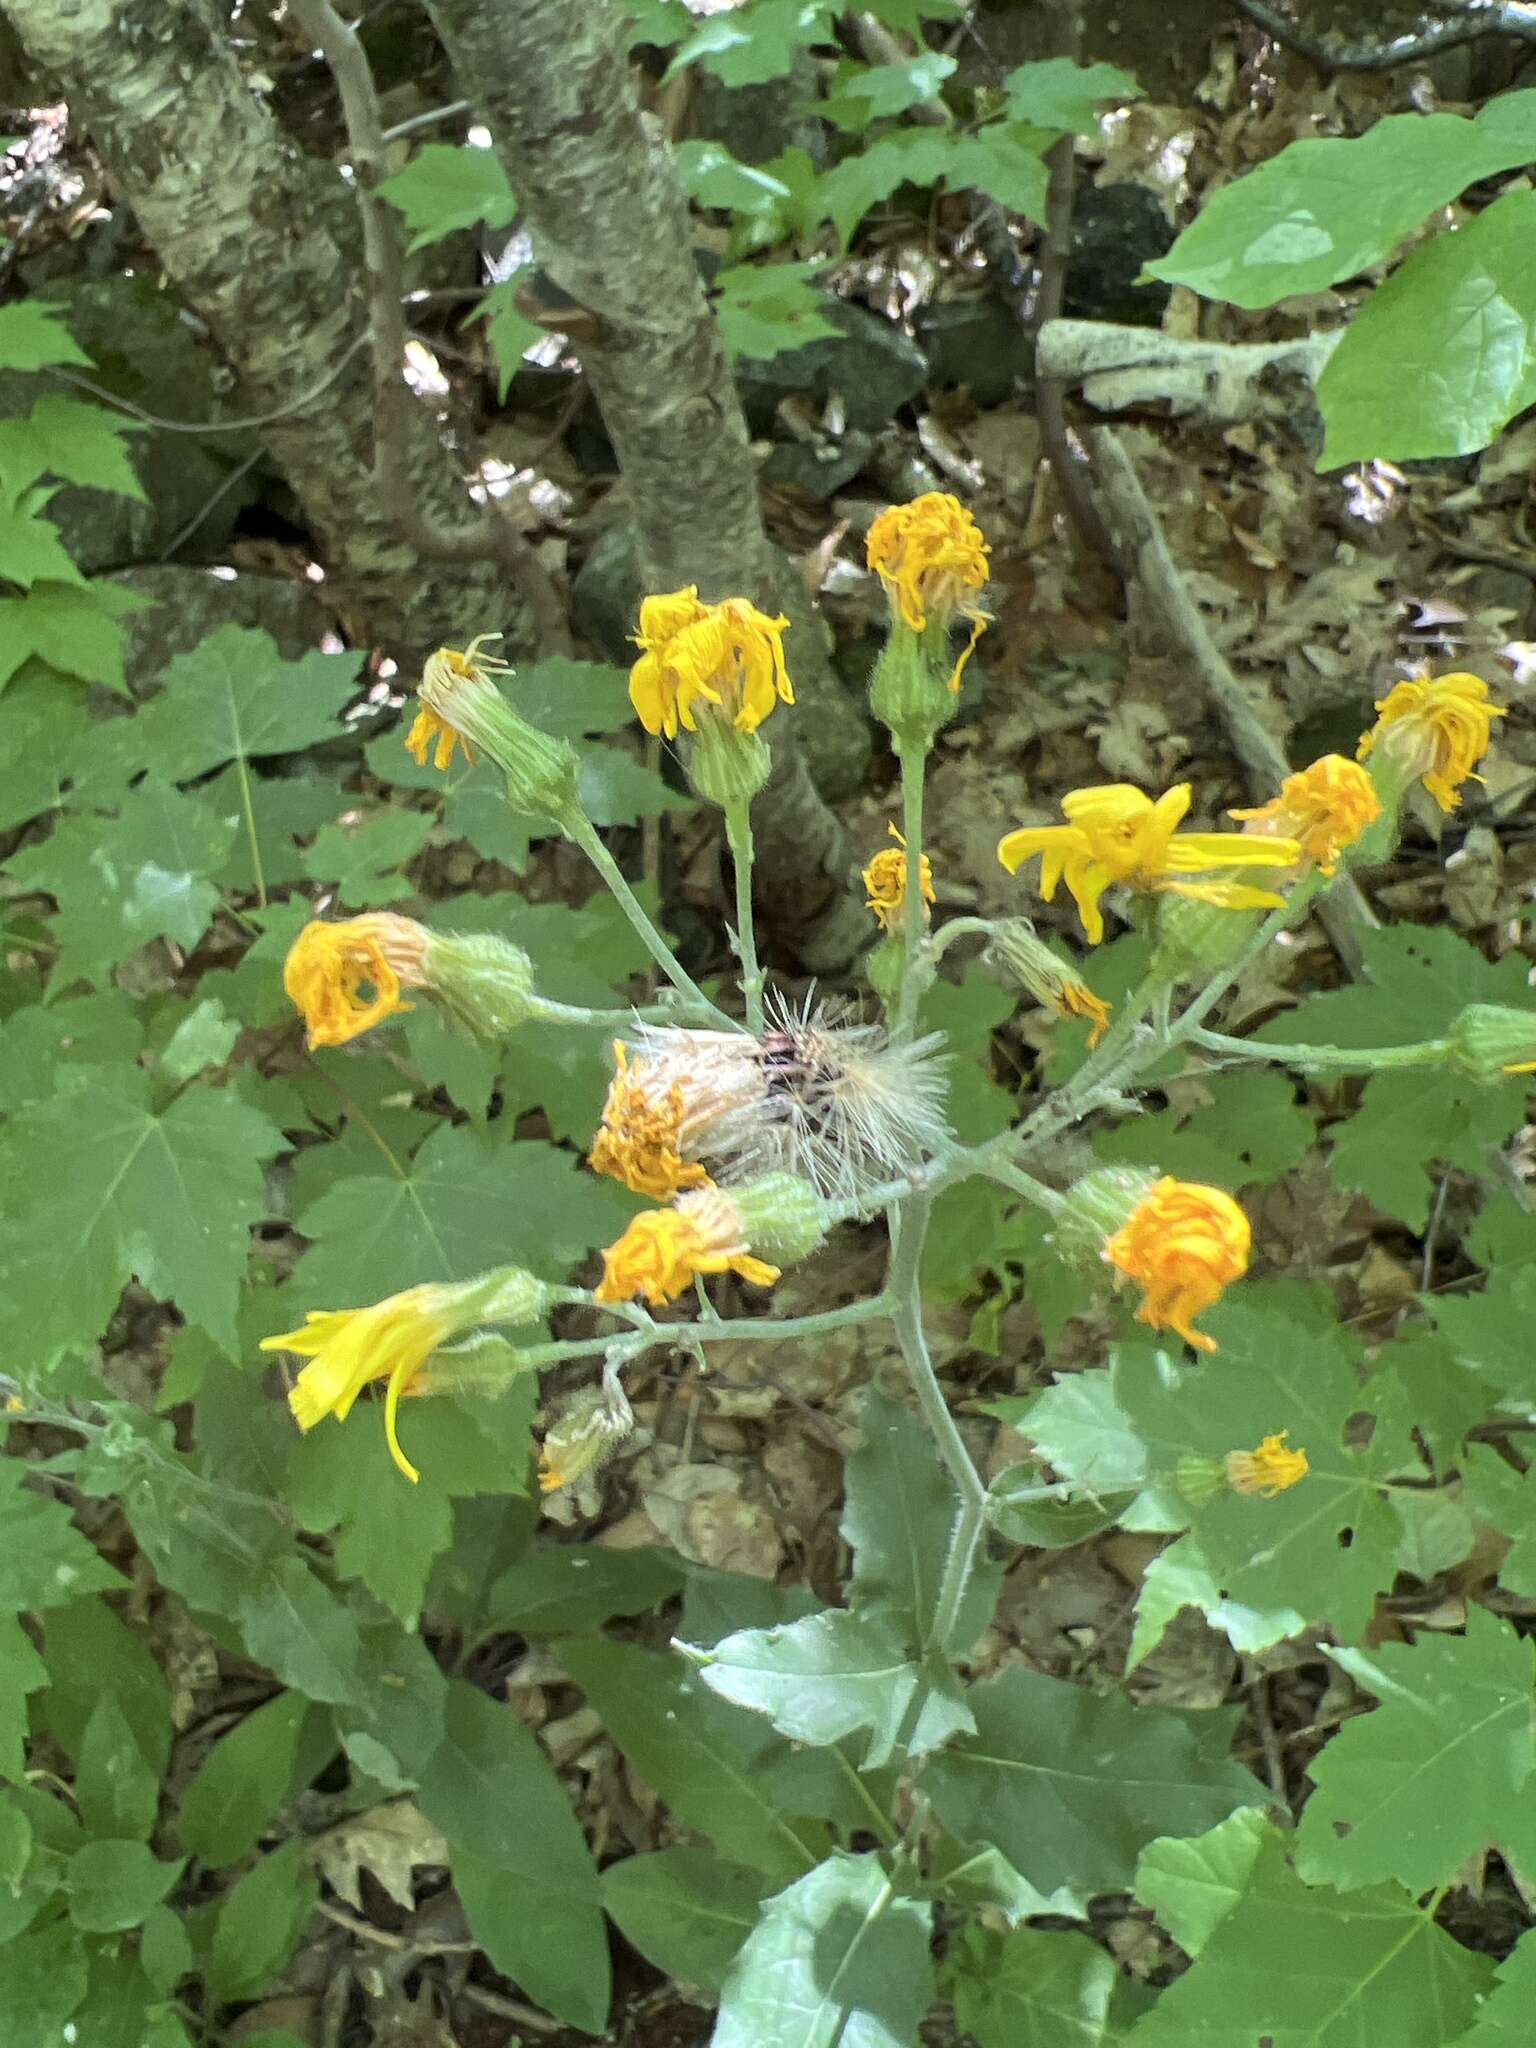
755,1134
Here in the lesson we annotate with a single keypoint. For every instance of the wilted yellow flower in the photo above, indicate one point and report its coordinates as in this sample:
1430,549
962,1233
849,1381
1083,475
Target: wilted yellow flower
393,1340
588,1429
1183,1242
329,965
1268,1470
1017,954
662,1250
431,729
681,1099
348,1347
885,882
727,656
1324,808
1118,834
1437,729
932,559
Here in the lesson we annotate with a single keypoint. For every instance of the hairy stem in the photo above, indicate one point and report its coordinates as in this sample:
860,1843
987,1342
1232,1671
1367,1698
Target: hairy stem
738,832
916,969
586,837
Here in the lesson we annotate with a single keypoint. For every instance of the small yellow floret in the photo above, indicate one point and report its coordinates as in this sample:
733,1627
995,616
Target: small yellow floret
1118,834
932,559
1324,808
328,966
641,1139
1439,730
885,883
662,1250
1268,1470
1183,1243
719,659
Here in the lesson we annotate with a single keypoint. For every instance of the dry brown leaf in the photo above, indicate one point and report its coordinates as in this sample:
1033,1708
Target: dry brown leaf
391,1841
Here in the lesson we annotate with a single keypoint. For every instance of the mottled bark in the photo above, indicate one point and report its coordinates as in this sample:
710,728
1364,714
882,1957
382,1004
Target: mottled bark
243,224
610,223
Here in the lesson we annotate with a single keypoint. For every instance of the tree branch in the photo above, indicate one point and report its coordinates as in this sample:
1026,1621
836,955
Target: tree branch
1471,19
1120,367
490,538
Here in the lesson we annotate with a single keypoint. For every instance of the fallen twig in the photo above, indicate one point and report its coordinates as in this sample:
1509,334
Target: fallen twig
1118,367
1468,20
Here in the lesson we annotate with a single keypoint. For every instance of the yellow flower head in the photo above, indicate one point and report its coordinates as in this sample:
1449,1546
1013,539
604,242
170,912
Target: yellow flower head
663,1250
1324,809
932,559
1183,1243
1439,730
348,1347
431,728
1118,834
1268,1470
728,658
676,1102
885,881
329,965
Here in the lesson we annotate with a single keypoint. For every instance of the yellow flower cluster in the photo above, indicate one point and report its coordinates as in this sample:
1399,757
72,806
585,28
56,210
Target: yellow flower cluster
1183,1244
885,883
662,1251
1437,730
329,966
932,560
1324,809
724,659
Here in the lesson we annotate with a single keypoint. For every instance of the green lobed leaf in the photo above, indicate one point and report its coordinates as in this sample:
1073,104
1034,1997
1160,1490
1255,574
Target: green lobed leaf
1179,1577
1192,1884
22,1672
520,1862
839,1960
1505,2019
359,858
1080,1429
1250,1129
752,44
167,1198
897,1519
390,1530
766,310
1018,1989
1506,1499
42,722
688,1911
465,1204
1327,1545
862,93
68,627
234,697
1418,979
30,548
1438,1771
68,438
1448,336
33,336
205,1037
712,176
299,1629
835,1674
447,186
1057,92
1308,1969
1071,1785
1328,208
508,329
45,1562
121,882
1410,1125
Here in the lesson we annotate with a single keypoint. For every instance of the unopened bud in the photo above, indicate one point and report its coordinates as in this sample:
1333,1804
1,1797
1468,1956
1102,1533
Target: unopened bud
726,765
1199,1479
485,984
782,1216
585,1433
540,770
1096,1207
1490,1040
910,690
1020,959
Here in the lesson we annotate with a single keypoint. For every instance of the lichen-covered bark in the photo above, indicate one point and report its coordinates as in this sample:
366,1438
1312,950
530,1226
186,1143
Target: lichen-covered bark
610,224
240,220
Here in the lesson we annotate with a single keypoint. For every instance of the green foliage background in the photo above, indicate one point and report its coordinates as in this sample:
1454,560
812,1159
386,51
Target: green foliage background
177,1179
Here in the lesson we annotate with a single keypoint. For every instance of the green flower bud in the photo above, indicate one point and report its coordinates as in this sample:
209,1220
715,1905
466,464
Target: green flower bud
883,966
459,695
1097,1206
726,765
783,1218
585,1433
1489,1040
485,984
1194,941
910,690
